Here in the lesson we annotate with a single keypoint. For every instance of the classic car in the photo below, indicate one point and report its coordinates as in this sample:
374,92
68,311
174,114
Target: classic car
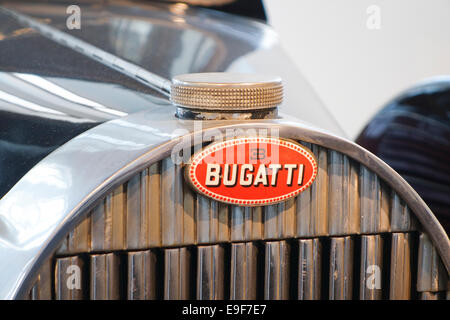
171,150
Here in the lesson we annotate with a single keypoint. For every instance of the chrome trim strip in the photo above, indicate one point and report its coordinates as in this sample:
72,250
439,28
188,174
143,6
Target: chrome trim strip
53,197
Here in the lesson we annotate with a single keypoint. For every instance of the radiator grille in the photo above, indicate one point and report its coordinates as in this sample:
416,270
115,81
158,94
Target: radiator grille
349,236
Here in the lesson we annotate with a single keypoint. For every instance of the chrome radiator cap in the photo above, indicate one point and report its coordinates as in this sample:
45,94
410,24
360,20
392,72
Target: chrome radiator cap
225,93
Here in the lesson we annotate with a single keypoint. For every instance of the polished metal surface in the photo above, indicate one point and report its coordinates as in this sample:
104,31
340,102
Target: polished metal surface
344,198
105,277
431,274
142,275
177,274
341,268
371,279
401,266
120,49
313,202
402,218
374,203
90,184
210,272
165,40
276,270
210,221
105,190
249,270
309,269
224,92
154,81
244,270
42,288
177,226
246,223
70,278
137,212
183,113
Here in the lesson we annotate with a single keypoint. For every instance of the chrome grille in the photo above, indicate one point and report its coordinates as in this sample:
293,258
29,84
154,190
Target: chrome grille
153,238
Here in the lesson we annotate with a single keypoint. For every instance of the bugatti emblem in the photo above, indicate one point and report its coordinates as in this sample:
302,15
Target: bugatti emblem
252,171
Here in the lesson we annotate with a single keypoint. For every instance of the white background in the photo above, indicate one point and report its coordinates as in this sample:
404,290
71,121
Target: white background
356,70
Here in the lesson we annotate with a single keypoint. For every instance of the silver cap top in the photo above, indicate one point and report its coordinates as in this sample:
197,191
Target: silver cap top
223,91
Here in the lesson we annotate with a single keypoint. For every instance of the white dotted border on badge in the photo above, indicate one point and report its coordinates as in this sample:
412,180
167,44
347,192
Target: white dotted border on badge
221,145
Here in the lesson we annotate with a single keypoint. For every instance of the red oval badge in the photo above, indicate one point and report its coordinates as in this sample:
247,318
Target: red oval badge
252,171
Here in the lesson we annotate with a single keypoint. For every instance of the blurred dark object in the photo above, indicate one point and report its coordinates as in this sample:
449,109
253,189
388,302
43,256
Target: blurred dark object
412,135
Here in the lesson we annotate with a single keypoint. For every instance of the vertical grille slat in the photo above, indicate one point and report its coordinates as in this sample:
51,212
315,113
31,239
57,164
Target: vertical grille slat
172,203
70,278
78,240
312,204
212,221
246,223
105,277
273,224
210,272
107,229
276,272
243,274
137,212
402,218
401,266
177,274
142,275
341,268
374,203
309,269
154,204
344,216
431,274
371,267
